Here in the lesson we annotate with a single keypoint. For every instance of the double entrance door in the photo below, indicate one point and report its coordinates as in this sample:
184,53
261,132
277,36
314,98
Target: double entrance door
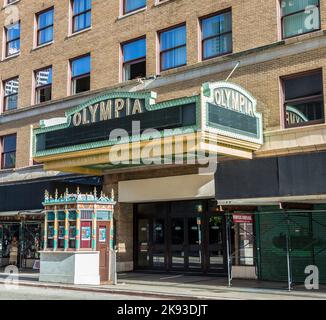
182,236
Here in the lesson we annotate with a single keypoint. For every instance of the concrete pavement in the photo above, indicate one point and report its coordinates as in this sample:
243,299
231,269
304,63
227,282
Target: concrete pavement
34,293
163,286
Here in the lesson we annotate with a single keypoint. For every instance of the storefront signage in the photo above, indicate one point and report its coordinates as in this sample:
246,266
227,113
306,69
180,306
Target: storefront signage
102,120
108,109
229,110
242,218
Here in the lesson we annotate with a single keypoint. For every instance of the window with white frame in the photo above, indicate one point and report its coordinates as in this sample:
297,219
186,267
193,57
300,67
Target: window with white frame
81,15
133,5
45,26
134,59
43,85
12,37
10,96
80,74
216,35
173,47
8,151
299,17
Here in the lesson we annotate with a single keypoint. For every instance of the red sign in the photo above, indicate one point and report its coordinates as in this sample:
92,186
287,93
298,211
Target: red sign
242,218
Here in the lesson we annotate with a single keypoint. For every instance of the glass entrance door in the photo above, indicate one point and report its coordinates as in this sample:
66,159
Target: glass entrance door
185,236
216,245
177,243
186,243
143,243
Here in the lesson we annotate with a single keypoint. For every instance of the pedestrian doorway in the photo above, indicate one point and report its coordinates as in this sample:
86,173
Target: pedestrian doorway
185,236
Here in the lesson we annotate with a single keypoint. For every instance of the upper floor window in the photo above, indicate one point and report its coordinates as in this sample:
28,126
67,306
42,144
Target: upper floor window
173,49
43,85
134,59
80,74
81,18
299,16
11,88
8,151
45,27
303,99
7,2
12,34
216,35
133,5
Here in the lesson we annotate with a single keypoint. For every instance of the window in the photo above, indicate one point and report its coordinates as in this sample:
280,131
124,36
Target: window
299,16
7,2
134,59
216,35
303,99
43,85
80,74
81,14
8,152
12,39
173,50
133,5
11,88
45,27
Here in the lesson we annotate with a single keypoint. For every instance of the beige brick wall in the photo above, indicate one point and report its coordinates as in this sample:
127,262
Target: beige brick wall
255,24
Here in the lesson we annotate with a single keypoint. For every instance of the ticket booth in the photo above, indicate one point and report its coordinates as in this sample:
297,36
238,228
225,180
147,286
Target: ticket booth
78,238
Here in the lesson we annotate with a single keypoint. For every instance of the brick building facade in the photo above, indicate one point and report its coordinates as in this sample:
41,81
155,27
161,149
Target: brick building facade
268,51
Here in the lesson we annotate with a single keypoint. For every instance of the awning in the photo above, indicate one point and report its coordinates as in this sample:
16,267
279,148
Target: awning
21,213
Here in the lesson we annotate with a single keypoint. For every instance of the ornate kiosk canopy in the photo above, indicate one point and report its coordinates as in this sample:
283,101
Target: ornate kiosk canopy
78,234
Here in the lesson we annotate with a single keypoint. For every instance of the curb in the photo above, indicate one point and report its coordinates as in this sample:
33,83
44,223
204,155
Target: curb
114,292
149,294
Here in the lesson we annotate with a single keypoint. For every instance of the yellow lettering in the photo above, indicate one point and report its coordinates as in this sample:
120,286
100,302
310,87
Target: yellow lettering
93,110
119,105
105,110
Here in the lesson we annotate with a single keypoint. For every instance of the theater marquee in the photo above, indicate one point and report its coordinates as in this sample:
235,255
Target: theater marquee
230,111
221,121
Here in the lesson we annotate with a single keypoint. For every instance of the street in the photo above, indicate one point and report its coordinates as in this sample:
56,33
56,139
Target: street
31,293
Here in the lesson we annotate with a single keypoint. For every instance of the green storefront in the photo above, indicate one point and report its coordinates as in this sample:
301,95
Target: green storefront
286,195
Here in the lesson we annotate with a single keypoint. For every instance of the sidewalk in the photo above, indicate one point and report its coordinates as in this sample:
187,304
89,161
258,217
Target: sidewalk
184,287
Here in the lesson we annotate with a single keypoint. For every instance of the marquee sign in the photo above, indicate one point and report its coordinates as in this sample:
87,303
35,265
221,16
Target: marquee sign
229,110
98,122
108,109
222,120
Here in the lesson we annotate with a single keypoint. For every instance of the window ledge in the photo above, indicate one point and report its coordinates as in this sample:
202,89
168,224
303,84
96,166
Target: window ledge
294,130
78,32
10,57
304,36
42,46
159,3
7,170
132,13
8,112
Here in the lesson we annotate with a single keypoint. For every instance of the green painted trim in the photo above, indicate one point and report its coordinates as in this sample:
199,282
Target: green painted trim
258,243
137,138
206,90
